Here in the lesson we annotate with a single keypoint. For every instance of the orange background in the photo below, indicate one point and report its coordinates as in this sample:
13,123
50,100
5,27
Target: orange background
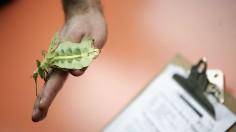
143,36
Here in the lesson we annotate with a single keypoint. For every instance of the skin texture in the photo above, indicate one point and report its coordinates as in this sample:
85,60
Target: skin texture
80,23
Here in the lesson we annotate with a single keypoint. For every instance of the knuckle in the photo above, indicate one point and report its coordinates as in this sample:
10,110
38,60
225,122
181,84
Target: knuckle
77,73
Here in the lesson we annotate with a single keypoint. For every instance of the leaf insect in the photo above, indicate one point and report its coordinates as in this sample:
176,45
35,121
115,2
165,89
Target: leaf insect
66,55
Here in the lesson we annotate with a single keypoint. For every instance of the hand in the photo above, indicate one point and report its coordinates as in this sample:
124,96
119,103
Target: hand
78,27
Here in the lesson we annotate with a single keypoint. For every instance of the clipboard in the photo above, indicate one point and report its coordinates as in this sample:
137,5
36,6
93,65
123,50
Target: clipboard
200,81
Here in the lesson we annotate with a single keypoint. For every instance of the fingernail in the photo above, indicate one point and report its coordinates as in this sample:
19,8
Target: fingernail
34,117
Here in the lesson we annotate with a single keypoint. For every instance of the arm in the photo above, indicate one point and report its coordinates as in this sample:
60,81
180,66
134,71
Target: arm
83,18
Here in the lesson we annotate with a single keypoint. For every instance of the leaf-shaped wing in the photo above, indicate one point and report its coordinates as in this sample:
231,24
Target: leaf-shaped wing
71,55
46,63
53,44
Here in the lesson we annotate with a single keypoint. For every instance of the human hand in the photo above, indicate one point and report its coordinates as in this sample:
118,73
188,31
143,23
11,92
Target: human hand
78,27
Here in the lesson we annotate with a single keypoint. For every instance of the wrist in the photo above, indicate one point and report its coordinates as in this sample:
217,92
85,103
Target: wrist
81,7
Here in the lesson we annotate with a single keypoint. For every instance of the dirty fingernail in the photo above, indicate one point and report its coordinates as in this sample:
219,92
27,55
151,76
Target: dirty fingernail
34,115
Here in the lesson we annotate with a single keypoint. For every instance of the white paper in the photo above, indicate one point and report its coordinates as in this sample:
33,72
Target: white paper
164,106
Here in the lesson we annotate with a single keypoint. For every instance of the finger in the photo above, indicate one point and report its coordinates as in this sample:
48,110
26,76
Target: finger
40,108
100,36
73,37
78,72
68,33
38,114
51,88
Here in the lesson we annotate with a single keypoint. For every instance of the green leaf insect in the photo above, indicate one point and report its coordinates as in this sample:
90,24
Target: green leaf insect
66,55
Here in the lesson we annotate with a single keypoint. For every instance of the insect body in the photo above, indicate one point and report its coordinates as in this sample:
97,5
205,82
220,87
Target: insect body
67,55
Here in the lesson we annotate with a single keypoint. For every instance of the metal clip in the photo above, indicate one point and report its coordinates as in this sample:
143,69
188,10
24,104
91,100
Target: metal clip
216,84
196,84
201,81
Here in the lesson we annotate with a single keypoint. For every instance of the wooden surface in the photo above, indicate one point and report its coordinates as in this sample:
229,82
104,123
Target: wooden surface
144,35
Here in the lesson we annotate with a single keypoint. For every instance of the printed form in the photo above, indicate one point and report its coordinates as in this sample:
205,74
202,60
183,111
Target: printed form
164,106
